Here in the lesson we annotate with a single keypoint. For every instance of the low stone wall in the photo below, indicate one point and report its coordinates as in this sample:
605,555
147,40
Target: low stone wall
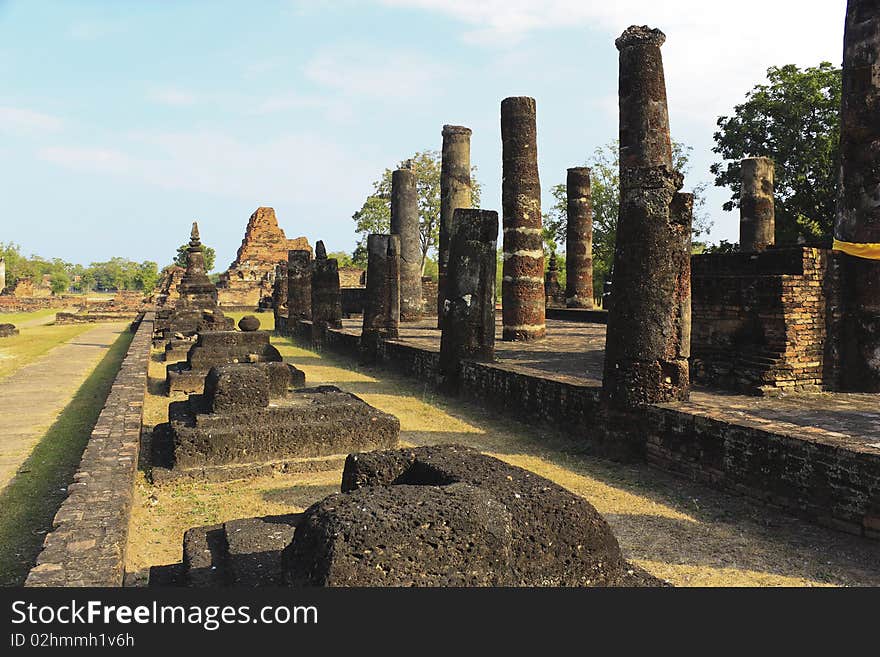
578,315
87,545
833,482
93,318
13,304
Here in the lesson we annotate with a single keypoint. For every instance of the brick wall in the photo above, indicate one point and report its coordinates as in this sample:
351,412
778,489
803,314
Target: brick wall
87,544
759,321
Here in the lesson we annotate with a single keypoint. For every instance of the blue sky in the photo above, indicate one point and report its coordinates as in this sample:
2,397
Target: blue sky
122,122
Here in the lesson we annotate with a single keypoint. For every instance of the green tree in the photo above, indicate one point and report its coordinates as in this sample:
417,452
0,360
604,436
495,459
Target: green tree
210,256
605,191
59,283
374,215
795,120
146,277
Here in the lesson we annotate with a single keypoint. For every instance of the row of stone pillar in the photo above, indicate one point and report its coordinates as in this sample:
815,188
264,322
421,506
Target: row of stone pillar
313,291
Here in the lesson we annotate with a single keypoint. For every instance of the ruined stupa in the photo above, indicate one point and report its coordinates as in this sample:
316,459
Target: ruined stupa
250,279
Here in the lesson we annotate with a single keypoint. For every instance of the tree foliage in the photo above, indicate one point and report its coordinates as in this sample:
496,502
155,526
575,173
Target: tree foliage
794,119
374,215
605,192
210,256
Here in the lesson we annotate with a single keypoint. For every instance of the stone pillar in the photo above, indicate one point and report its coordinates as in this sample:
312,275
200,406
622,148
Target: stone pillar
382,307
757,218
552,288
2,274
299,286
455,192
648,335
522,283
858,202
279,294
326,296
405,224
579,240
468,327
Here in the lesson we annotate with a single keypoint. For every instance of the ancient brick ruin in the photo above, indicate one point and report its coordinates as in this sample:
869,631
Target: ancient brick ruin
857,227
455,192
250,420
196,308
522,282
579,239
405,225
468,321
646,361
382,309
326,296
249,281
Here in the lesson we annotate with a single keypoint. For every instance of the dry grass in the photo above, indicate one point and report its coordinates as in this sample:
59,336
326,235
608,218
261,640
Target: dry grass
33,342
680,531
18,318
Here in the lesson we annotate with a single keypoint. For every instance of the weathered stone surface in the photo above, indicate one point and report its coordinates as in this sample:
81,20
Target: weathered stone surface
250,278
858,203
246,418
579,239
215,348
382,308
326,297
522,283
8,330
299,285
649,322
757,218
468,321
166,289
455,192
405,224
441,516
249,323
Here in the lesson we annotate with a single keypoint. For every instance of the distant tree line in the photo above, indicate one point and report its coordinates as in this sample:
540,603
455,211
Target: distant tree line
112,275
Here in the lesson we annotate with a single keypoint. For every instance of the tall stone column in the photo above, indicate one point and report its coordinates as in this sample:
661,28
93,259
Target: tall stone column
382,307
857,228
2,274
757,216
648,335
326,296
299,285
405,224
579,239
455,192
279,294
468,326
522,283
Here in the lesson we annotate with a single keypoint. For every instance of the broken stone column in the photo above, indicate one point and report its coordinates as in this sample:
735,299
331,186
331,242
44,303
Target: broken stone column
522,283
468,325
299,286
326,296
455,192
757,218
405,224
382,307
648,335
579,240
279,294
553,297
2,274
857,227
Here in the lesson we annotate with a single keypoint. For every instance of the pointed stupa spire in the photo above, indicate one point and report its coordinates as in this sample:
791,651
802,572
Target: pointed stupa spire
194,235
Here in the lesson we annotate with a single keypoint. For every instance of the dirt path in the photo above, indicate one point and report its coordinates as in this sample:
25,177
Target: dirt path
35,394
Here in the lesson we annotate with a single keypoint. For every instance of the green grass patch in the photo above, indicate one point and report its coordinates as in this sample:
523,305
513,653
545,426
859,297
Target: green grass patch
17,318
33,342
32,498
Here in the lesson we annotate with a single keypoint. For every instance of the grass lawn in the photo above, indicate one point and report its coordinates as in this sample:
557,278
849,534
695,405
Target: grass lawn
17,318
33,342
29,502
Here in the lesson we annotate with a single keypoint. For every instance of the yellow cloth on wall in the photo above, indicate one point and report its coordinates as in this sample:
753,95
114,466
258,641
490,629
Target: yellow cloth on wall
869,251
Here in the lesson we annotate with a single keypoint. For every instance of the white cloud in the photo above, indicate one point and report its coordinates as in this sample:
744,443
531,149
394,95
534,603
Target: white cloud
367,71
19,120
87,160
172,97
